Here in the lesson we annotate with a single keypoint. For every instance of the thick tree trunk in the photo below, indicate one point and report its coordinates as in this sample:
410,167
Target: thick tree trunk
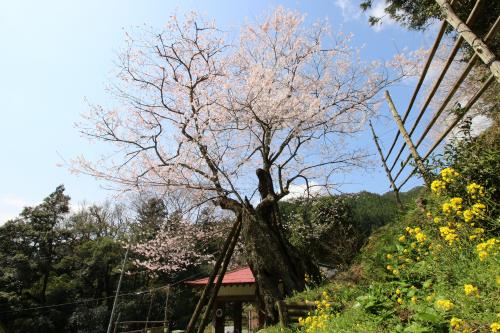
275,263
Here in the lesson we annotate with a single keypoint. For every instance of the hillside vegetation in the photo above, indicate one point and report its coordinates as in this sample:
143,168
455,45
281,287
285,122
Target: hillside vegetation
433,268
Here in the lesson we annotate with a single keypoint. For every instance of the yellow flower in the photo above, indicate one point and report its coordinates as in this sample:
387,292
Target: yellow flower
389,256
445,304
478,231
400,300
437,220
495,327
483,249
395,272
475,190
456,323
438,186
398,291
389,268
470,290
414,299
456,203
479,209
421,237
402,238
483,255
446,208
448,234
468,215
449,174
497,279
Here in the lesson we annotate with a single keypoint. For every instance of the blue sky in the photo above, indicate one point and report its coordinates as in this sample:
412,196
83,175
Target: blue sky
57,54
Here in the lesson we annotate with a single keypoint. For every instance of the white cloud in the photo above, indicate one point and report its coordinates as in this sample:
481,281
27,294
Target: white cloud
350,9
299,191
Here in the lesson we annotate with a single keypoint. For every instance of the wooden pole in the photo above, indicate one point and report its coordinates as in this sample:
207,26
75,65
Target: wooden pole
227,259
117,322
110,325
407,138
149,310
393,185
208,287
420,81
165,323
480,48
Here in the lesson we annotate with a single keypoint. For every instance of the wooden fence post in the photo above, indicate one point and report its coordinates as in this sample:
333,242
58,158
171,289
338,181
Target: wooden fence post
409,143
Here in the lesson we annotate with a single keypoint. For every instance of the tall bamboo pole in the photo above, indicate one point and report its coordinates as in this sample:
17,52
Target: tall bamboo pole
480,48
407,138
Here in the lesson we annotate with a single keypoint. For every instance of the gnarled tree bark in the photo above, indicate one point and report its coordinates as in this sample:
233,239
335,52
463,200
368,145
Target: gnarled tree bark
276,264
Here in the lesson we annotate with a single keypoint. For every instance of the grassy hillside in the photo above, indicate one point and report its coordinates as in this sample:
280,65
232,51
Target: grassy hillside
429,270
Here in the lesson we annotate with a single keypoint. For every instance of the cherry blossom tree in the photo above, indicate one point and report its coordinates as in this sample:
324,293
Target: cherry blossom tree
237,125
176,247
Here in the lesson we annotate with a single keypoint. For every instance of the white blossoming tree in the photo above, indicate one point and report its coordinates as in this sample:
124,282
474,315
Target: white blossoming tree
223,122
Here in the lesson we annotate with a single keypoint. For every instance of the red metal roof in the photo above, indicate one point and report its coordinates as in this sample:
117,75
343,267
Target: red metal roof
238,276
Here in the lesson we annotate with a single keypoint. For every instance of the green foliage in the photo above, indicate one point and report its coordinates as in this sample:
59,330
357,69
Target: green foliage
49,257
333,228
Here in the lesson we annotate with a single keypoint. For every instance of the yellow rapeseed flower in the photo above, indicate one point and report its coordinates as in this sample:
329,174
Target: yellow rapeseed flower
445,304
438,186
495,327
421,237
449,174
475,190
470,290
456,323
468,215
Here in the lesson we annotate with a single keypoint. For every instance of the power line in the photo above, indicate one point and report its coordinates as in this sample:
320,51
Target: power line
137,293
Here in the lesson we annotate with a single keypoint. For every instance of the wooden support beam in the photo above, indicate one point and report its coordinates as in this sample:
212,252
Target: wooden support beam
237,310
407,138
225,264
480,48
393,185
206,291
435,46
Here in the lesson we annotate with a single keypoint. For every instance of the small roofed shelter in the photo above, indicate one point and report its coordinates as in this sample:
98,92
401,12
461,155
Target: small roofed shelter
238,286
